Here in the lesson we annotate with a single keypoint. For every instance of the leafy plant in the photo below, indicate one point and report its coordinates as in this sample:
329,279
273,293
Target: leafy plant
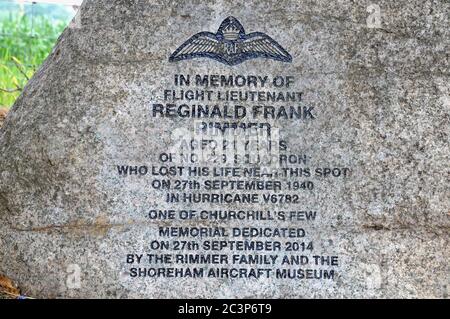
24,45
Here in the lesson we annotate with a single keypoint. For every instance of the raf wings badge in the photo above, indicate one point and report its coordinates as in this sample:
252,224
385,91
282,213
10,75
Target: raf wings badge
230,45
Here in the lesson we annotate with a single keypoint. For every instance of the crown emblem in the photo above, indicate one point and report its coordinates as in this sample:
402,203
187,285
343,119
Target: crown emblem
231,32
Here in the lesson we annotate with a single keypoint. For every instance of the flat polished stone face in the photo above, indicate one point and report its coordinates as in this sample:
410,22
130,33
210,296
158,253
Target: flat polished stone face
233,149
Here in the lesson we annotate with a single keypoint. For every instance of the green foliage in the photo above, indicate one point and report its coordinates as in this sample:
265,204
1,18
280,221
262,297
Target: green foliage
24,45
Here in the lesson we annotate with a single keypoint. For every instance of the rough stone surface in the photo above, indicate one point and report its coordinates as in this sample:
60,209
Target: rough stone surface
381,106
3,113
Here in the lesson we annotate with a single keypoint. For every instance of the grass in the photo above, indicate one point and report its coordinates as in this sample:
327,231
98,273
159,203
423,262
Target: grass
24,45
